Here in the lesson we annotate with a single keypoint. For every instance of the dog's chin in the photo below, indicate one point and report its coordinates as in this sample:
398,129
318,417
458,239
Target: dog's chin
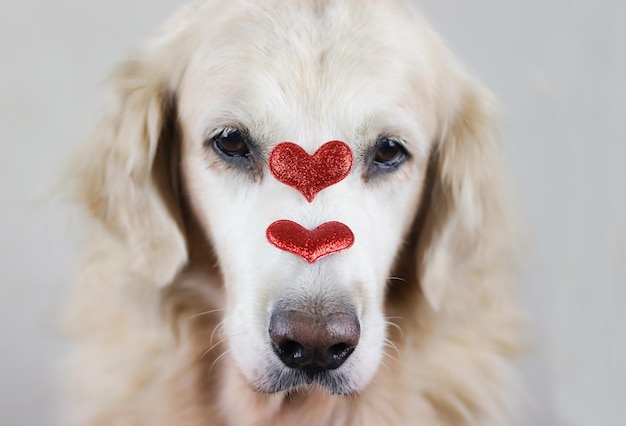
287,379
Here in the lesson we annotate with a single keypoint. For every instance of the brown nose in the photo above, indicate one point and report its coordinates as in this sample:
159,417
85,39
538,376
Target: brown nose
312,342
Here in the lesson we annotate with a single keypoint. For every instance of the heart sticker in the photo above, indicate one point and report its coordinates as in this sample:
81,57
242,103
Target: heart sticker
309,174
328,238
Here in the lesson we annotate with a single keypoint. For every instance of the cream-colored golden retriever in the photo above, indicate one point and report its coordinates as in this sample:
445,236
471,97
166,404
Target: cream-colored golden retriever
183,313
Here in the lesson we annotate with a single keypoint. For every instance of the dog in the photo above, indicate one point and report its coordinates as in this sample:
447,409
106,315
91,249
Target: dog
191,307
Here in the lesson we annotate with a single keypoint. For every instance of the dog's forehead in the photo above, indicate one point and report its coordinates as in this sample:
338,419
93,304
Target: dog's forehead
310,73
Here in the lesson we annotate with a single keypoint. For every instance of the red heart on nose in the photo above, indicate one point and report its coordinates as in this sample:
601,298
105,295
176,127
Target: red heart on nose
328,238
309,174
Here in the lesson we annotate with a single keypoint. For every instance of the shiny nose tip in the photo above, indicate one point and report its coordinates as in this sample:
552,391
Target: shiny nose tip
312,342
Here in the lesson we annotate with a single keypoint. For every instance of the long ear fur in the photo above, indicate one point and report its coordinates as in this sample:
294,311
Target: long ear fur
124,176
466,226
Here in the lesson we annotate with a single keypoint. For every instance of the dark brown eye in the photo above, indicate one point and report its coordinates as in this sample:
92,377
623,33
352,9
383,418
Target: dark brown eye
389,153
231,142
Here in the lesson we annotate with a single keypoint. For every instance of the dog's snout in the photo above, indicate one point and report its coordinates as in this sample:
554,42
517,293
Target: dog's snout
313,342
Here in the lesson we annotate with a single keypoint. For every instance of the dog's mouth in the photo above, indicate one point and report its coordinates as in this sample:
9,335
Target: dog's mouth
289,379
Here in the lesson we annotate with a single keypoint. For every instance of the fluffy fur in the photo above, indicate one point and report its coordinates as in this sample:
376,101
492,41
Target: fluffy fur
169,311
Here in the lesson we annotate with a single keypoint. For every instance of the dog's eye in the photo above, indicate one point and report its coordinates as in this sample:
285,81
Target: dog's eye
231,142
389,154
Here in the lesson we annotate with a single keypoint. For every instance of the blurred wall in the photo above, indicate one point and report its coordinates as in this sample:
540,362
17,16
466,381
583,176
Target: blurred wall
559,71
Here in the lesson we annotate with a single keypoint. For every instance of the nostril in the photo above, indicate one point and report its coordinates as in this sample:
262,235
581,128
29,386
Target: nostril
290,352
337,354
293,349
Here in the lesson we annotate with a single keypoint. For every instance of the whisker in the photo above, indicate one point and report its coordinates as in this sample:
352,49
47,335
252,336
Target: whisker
394,325
391,345
388,355
396,279
212,347
217,359
388,343
204,313
217,327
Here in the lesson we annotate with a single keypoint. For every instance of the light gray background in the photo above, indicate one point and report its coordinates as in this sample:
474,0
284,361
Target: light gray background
559,70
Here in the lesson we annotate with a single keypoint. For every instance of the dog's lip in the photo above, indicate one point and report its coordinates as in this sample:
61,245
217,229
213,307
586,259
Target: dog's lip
289,379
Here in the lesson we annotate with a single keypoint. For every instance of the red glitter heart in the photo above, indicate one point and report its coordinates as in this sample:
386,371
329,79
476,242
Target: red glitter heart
328,238
309,174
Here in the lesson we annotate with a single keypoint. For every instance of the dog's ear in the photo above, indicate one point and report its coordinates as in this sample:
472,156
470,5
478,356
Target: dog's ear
464,223
127,171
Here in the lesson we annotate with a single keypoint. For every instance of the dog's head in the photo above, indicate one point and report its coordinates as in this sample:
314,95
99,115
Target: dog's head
201,109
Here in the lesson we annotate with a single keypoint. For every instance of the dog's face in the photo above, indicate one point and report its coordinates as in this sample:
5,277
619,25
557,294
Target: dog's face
278,76
243,78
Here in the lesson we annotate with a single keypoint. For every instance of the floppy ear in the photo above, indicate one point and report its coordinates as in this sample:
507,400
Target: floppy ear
465,224
127,172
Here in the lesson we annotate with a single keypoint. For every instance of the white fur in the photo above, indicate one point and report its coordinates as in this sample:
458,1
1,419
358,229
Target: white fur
171,307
